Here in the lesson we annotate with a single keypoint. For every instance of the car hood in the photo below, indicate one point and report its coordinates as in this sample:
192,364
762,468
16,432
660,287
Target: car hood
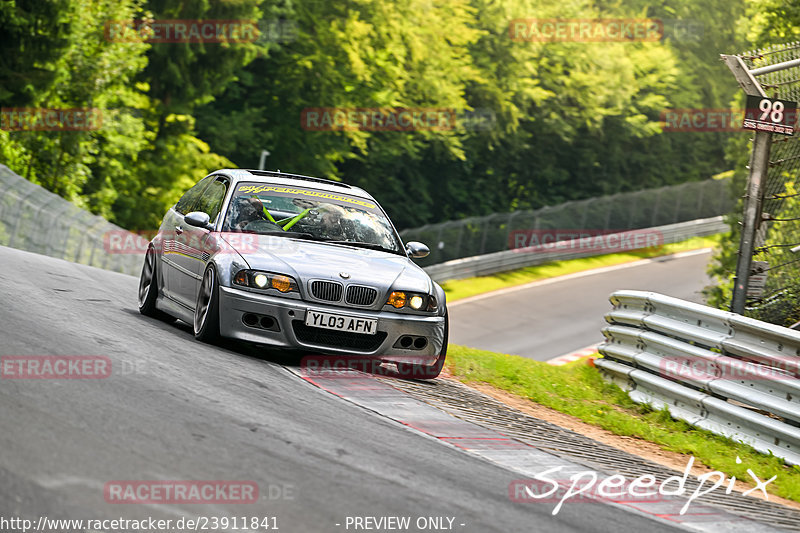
306,260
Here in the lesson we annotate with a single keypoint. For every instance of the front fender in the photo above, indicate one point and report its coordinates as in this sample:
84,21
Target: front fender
441,297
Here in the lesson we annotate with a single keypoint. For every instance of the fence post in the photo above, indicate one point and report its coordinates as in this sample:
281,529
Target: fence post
17,222
759,162
485,233
508,223
677,207
459,238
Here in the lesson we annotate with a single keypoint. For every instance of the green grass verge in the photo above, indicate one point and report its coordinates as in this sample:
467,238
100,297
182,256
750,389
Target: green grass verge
577,389
463,288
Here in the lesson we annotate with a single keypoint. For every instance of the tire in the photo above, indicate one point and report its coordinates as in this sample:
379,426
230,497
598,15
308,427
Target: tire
412,371
148,288
206,311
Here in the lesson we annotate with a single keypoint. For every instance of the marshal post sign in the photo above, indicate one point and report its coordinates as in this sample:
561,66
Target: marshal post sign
770,115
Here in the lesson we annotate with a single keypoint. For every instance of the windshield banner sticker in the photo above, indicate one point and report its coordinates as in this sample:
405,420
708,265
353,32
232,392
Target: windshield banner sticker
255,189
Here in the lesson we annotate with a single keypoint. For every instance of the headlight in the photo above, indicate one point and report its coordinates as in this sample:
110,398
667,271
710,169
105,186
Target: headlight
416,301
265,280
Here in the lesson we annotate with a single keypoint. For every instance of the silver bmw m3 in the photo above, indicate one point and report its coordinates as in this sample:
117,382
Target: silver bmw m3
298,263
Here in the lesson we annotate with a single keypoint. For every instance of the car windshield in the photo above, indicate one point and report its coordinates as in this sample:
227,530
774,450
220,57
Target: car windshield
309,213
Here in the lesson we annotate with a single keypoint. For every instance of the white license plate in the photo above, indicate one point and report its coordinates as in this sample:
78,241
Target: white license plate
352,324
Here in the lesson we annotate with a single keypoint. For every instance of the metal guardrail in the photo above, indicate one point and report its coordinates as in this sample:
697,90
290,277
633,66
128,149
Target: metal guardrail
34,219
484,265
732,375
647,208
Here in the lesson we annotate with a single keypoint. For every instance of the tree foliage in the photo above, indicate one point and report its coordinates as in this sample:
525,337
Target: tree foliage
541,122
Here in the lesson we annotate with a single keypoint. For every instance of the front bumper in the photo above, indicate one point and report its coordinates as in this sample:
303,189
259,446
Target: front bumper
290,331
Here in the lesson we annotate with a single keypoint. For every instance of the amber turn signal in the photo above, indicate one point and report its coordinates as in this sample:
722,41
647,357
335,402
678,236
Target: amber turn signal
282,283
397,299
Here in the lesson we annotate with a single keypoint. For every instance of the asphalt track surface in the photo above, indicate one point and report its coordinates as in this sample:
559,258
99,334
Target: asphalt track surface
562,315
177,409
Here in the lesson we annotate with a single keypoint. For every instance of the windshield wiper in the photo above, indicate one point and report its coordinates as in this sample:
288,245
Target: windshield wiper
370,245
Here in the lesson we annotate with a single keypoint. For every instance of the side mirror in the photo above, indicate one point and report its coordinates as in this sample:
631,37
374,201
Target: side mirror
199,219
417,250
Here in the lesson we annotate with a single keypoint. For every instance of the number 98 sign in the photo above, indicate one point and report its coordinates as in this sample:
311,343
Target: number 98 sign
770,115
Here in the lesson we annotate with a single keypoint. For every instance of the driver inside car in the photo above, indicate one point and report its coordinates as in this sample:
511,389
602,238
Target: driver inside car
243,211
333,222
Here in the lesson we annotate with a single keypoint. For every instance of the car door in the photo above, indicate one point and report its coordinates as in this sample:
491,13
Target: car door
194,243
172,237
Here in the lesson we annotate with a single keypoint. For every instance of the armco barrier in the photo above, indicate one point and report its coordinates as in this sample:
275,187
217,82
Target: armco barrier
734,376
625,211
34,219
483,265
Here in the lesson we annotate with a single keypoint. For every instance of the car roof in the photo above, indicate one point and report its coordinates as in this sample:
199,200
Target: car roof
296,180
